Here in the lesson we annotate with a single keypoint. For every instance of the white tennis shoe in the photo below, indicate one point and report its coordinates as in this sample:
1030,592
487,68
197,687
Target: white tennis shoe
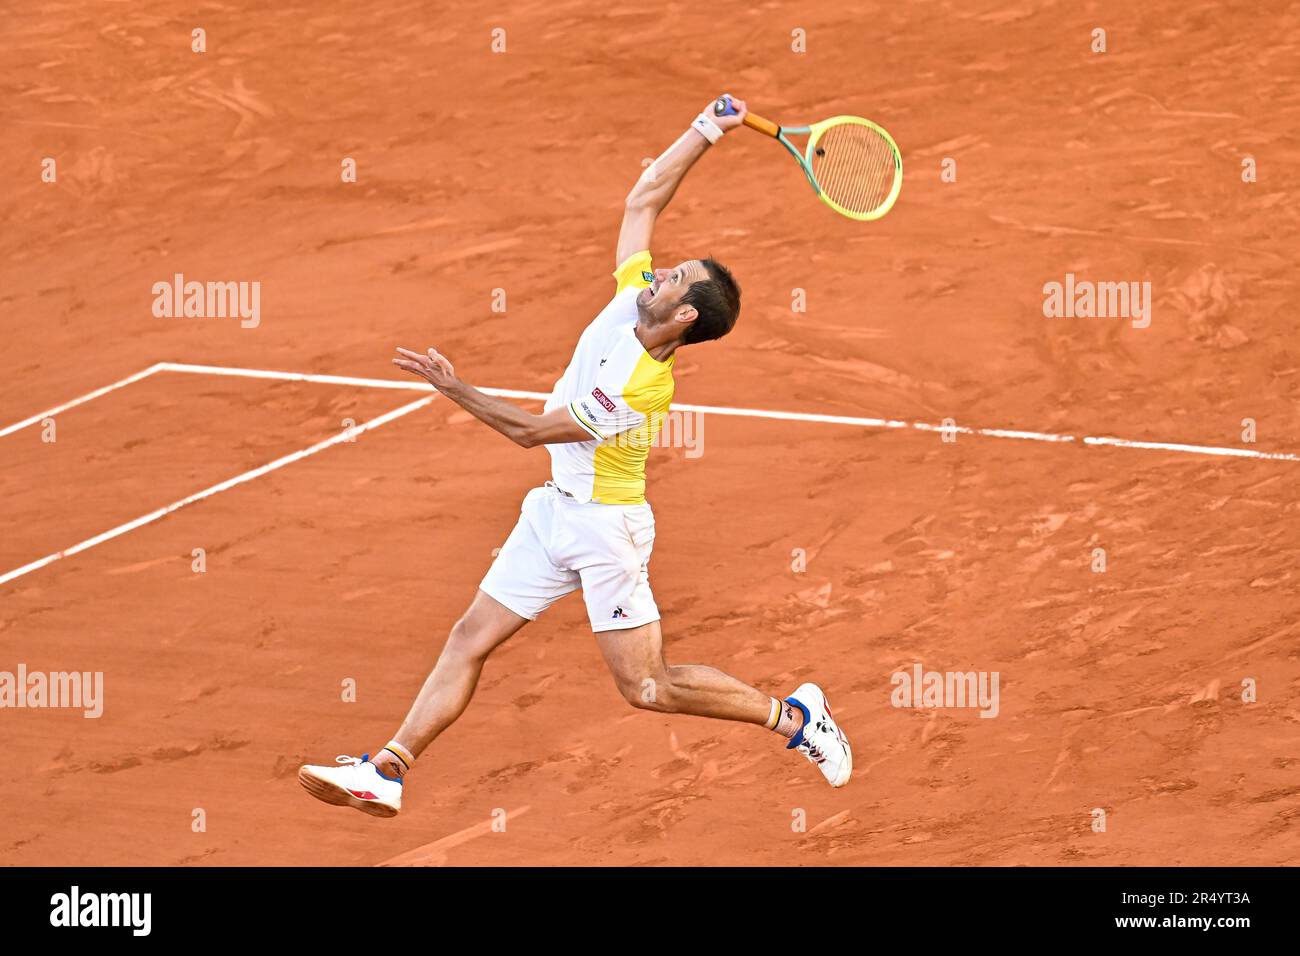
357,783
820,739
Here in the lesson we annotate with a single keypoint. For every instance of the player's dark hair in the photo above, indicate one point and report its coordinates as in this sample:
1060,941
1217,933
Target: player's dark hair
717,302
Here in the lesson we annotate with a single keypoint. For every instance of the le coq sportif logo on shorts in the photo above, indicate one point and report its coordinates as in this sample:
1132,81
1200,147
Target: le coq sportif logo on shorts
75,909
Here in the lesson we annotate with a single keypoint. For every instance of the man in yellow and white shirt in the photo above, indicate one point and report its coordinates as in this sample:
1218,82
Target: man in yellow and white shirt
617,392
590,526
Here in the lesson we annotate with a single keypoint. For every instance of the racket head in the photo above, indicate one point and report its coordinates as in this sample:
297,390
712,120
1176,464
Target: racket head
855,165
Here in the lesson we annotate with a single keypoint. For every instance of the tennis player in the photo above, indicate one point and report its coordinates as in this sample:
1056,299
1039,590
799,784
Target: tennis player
590,526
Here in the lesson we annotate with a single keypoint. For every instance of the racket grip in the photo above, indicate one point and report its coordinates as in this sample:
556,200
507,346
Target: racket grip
724,107
764,126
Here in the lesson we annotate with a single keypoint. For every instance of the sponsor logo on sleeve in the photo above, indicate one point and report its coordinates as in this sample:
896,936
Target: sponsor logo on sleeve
600,396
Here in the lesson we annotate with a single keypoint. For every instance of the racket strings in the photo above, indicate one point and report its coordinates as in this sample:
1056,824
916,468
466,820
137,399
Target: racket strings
855,167
864,171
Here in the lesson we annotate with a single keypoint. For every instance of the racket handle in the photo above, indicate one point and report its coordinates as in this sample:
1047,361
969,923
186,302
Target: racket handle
723,107
764,126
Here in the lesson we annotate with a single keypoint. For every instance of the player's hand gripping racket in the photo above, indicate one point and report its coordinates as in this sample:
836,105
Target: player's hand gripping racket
852,164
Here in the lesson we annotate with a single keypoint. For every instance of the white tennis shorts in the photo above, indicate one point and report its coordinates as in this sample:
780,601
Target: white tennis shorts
561,544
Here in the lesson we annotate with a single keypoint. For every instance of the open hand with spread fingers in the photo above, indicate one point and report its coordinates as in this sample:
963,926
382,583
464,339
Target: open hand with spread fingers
434,368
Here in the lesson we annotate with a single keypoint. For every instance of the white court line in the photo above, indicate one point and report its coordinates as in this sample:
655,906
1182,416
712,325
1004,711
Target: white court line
41,416
409,385
1192,449
758,413
152,516
295,376
1088,440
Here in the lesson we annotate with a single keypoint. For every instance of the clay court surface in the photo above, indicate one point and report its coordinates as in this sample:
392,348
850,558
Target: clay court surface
1120,690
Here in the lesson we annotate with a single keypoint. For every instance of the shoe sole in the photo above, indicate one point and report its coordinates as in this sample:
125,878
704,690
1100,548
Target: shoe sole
845,772
329,792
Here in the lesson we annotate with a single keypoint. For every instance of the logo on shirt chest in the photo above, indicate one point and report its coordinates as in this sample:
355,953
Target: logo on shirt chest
600,396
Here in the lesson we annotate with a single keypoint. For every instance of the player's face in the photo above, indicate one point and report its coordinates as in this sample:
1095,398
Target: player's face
661,300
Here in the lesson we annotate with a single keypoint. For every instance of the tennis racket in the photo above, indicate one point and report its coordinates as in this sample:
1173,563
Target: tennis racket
852,164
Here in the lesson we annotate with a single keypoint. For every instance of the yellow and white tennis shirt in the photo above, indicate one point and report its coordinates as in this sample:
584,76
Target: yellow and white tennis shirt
616,391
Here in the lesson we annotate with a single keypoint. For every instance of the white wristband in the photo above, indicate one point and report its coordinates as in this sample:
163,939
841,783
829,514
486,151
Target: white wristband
704,125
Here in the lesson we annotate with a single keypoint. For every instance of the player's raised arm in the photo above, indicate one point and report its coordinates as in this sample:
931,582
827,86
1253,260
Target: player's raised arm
660,180
523,428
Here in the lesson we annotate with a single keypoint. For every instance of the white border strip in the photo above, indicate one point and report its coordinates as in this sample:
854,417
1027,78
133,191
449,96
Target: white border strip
755,413
40,416
152,516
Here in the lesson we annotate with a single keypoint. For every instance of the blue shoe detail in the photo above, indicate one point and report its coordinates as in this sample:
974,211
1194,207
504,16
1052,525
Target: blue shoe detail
397,780
797,739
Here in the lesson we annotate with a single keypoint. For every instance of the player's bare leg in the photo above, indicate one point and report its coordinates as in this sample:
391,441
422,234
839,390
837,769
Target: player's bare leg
636,660
647,681
375,786
447,690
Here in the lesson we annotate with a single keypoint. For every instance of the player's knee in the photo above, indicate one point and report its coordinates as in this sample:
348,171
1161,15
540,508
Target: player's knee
648,693
465,642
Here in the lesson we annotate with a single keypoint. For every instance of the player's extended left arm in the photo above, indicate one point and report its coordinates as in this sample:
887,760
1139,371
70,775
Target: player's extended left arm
657,185
523,428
